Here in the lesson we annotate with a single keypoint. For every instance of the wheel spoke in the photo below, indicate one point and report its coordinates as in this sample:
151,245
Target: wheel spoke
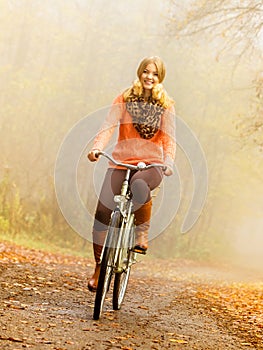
126,258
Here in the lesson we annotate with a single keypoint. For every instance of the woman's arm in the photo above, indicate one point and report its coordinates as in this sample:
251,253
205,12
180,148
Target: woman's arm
107,129
168,138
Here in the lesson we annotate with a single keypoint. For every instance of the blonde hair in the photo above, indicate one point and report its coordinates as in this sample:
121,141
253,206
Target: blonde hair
158,92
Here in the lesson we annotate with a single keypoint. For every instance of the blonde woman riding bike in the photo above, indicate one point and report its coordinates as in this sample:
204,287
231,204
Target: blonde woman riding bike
145,117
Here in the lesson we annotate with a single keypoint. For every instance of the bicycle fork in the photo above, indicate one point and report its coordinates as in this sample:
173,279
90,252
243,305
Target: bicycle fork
124,259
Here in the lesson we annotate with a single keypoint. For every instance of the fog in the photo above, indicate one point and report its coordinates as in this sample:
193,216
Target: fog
63,60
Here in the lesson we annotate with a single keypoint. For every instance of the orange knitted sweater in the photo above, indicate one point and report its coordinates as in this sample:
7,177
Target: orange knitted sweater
130,147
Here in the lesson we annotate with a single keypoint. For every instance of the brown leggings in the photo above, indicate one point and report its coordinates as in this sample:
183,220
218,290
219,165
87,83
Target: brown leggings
141,185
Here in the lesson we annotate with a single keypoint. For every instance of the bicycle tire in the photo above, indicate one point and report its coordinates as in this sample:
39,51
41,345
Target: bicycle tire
106,270
122,278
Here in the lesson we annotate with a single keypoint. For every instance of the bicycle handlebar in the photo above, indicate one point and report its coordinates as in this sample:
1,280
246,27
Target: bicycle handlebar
139,166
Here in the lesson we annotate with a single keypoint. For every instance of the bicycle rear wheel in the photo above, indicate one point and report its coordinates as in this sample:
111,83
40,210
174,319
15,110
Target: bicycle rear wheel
127,256
107,264
120,286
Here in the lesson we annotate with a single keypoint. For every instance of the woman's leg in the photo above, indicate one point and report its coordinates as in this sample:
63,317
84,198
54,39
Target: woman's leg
111,186
142,183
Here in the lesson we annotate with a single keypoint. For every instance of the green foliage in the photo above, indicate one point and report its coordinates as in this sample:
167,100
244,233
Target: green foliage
11,211
40,226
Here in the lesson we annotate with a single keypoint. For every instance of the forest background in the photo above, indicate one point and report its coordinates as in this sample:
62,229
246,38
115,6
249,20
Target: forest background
63,60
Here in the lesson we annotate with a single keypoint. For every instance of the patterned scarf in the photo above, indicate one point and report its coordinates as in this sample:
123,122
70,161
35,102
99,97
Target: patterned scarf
146,115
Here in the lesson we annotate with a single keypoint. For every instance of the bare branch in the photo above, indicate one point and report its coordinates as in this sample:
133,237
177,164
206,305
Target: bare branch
239,25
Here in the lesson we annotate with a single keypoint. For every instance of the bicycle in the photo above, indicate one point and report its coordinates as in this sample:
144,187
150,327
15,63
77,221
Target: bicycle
118,253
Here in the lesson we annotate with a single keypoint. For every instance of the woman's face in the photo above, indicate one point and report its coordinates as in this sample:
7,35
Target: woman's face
149,77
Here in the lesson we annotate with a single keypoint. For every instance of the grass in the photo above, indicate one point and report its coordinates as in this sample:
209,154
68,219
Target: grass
78,247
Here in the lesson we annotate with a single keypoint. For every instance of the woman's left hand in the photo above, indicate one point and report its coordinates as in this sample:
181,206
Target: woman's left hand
168,171
168,162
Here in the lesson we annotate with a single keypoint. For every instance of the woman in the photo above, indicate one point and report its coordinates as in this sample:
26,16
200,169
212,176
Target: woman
145,117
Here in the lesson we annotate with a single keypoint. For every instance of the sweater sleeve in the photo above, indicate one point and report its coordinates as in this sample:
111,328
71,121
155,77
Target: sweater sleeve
109,125
169,141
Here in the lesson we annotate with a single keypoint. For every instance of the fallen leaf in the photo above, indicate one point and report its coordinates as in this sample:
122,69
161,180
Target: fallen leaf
179,341
143,307
52,325
121,338
14,339
214,309
40,329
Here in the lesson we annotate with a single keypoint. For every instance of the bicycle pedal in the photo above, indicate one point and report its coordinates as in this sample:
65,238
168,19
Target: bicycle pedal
139,251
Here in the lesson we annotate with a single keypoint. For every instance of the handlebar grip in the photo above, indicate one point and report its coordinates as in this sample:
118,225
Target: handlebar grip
97,154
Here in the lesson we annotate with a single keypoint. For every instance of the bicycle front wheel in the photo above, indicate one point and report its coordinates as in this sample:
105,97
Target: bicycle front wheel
127,258
107,264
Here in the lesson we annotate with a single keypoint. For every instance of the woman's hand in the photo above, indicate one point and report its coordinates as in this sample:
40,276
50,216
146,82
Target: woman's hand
169,166
93,155
168,171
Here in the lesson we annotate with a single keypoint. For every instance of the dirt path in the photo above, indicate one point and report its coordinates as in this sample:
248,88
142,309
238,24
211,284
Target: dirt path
45,305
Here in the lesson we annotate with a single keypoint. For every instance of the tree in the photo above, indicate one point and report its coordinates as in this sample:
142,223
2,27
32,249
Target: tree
250,127
237,24
236,27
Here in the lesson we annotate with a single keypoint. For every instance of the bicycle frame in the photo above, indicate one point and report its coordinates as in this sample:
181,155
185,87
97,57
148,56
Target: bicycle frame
124,205
122,198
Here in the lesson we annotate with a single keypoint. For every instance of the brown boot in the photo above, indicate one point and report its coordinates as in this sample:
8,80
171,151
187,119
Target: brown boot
99,238
142,222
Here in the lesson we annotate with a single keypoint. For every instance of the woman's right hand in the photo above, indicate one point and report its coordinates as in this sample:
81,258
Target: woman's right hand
93,155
